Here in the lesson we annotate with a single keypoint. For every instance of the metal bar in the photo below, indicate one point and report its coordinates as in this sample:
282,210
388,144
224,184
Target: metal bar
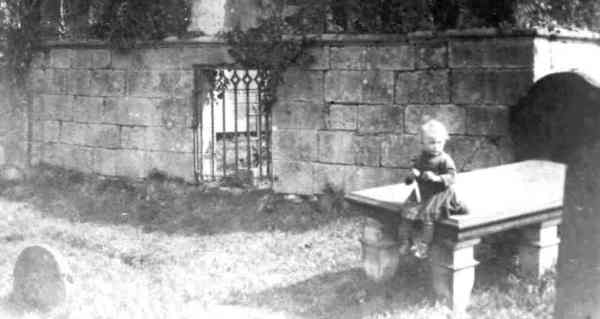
200,129
248,153
224,133
235,122
194,124
268,150
259,133
212,135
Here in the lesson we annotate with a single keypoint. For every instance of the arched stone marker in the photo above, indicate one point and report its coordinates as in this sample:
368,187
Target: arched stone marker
559,120
40,275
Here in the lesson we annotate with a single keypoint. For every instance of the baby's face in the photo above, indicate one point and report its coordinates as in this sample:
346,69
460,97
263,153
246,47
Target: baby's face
433,144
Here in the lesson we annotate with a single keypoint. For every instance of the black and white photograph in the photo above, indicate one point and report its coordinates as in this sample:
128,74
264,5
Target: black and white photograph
299,159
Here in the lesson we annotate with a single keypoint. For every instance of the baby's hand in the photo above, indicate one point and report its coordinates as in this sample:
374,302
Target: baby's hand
430,176
415,173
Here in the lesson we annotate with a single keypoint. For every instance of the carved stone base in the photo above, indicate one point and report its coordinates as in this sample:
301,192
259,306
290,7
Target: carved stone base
538,250
453,272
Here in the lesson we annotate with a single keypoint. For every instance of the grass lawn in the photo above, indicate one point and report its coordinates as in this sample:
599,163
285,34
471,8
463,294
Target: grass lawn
161,249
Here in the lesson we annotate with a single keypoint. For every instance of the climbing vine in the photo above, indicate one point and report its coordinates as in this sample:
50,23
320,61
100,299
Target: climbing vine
271,50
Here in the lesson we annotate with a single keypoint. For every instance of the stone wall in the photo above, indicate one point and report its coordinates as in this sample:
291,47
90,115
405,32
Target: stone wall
110,113
13,130
353,119
350,119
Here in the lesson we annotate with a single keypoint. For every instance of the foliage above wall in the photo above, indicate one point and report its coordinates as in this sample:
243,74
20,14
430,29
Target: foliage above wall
401,16
269,49
125,22
19,33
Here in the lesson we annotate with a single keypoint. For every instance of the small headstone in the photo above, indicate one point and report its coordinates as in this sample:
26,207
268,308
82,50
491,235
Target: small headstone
40,278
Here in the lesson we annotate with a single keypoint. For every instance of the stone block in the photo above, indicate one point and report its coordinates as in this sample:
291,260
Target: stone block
60,58
338,176
91,59
56,81
422,87
38,80
134,137
367,150
341,117
500,87
292,177
132,163
351,57
40,59
57,107
367,177
37,131
105,161
79,82
82,159
390,57
298,145
183,83
37,108
335,147
151,84
374,87
471,153
398,151
53,154
88,109
453,117
542,58
73,133
107,82
158,58
380,118
136,111
431,55
492,52
205,55
176,139
489,120
51,131
37,154
298,115
103,135
321,58
123,60
174,112
62,154
397,57
174,164
302,85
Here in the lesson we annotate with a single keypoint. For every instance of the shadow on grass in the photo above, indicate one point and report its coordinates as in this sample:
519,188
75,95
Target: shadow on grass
350,294
165,204
347,294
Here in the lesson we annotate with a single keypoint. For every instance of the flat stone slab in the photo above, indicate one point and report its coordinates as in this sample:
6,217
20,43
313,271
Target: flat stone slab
492,194
40,275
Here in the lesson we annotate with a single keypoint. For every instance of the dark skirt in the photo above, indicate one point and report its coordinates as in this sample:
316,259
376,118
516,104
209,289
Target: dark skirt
440,205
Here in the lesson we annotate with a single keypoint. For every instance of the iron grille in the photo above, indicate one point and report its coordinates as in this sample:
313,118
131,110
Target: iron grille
232,128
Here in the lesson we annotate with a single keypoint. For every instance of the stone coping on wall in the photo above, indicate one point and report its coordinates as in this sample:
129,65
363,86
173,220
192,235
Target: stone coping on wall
364,38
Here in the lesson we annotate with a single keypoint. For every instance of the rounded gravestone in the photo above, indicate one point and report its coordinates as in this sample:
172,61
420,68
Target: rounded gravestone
39,278
559,119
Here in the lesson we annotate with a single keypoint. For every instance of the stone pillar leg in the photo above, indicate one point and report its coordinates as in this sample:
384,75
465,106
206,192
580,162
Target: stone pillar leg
380,255
538,250
453,271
